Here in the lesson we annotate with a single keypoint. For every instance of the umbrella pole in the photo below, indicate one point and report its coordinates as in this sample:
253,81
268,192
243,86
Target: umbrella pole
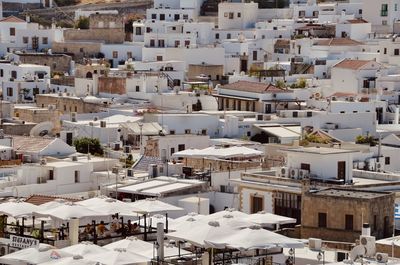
166,222
212,256
145,227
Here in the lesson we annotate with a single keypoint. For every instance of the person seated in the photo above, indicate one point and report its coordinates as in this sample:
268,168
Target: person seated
101,229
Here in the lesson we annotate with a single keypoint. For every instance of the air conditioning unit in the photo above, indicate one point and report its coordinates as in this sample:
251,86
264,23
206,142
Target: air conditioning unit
379,166
369,243
294,173
304,174
381,257
315,243
283,172
116,146
361,165
73,116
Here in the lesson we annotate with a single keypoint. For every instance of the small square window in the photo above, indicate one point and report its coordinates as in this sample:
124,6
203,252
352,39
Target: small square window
239,14
45,40
25,40
187,131
387,160
137,88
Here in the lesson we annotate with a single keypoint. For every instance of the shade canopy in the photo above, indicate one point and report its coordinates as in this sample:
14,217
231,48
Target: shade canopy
219,152
75,260
180,221
196,232
42,254
264,219
84,248
68,211
52,204
135,245
118,257
17,208
253,237
108,206
153,220
227,212
150,205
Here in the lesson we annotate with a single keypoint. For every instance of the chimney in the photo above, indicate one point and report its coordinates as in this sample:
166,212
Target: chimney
366,229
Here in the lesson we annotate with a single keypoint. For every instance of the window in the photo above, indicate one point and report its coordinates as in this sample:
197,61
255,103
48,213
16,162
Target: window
384,10
25,40
177,43
14,74
360,11
159,58
185,16
77,180
153,16
176,17
349,222
76,109
45,40
396,51
228,36
1,72
187,131
172,132
65,107
161,43
384,50
181,147
65,49
137,88
305,166
254,55
148,30
81,49
129,54
257,204
138,31
162,16
152,43
217,36
204,132
322,220
395,7
10,91
239,14
12,31
115,54
51,174
387,160
187,43
172,150
231,15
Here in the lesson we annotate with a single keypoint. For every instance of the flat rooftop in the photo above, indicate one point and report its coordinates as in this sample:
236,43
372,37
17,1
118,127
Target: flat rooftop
320,150
347,193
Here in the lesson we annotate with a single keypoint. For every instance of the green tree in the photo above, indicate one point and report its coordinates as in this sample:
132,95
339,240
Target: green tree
280,84
93,144
82,23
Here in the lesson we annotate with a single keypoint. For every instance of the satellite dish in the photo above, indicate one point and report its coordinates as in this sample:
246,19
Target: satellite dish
42,129
356,252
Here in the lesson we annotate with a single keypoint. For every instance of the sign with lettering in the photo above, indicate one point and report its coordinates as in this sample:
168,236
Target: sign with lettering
23,242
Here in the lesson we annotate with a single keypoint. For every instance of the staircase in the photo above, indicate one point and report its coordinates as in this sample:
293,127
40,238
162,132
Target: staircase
170,81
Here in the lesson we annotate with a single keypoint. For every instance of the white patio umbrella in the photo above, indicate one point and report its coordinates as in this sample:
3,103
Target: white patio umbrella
52,204
75,260
230,211
190,217
135,245
34,255
69,210
17,208
150,206
252,238
118,257
153,220
264,219
108,206
197,232
84,248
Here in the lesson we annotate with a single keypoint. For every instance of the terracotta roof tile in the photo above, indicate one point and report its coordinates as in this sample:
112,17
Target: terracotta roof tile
351,64
37,199
338,42
357,21
11,19
255,87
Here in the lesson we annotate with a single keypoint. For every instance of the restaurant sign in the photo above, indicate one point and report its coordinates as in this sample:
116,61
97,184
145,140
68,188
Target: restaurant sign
23,242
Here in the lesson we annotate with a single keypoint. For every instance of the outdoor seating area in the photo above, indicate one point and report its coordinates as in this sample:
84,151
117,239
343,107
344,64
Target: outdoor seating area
101,229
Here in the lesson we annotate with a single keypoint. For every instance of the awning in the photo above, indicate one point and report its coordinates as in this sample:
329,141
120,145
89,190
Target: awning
282,132
234,97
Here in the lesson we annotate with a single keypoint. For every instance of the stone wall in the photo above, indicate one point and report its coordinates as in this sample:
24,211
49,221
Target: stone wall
17,129
112,85
195,70
105,35
106,21
78,50
364,210
68,104
56,62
